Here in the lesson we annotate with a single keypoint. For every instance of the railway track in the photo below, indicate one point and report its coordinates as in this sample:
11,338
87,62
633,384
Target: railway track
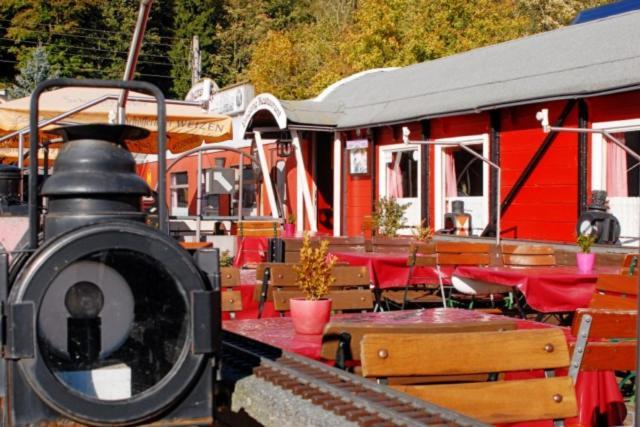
358,400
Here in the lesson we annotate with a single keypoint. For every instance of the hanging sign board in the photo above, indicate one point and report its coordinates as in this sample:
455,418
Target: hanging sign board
358,156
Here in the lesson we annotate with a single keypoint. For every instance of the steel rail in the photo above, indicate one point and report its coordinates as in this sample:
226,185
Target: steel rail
301,373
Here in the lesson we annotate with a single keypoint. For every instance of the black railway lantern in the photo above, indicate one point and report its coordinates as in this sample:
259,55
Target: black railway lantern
109,321
598,222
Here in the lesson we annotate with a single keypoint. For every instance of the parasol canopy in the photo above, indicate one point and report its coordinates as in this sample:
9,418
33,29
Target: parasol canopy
187,125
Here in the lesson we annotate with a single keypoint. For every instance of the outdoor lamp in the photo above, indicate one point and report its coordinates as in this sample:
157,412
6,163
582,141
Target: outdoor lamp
283,147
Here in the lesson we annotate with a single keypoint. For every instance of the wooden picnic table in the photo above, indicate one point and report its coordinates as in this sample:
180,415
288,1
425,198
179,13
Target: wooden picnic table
546,289
597,392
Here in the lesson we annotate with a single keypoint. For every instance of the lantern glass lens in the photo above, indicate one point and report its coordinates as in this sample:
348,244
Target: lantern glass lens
113,324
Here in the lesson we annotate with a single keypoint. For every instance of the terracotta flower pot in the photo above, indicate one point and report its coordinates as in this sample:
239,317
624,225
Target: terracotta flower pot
309,317
585,262
289,230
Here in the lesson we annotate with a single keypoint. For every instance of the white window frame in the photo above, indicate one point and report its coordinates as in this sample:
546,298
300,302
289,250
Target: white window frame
599,160
175,210
599,149
439,179
382,175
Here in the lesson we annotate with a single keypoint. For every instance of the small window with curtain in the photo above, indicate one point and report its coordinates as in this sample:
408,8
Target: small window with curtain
622,168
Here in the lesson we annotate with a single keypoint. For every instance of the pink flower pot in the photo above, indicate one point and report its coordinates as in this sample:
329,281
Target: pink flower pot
585,262
289,230
309,317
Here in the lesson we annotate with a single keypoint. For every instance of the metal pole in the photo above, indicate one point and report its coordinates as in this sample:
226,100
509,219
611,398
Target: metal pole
199,198
241,187
20,150
134,52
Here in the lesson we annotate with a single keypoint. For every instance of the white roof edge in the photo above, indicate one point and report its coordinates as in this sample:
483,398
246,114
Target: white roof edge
327,91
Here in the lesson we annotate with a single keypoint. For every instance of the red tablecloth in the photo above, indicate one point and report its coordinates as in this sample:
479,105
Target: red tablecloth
546,289
250,250
597,392
390,270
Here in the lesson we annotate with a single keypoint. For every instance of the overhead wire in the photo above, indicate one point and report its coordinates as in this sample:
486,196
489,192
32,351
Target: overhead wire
101,70
92,49
28,42
61,34
96,30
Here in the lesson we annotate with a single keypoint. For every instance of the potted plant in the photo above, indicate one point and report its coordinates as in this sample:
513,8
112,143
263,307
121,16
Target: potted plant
290,226
313,275
585,259
388,216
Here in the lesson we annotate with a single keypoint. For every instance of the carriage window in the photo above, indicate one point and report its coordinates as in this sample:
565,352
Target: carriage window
179,193
402,174
622,169
467,170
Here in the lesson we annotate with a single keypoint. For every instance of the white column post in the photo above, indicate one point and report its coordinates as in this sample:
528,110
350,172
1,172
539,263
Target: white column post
199,198
20,150
337,178
265,174
299,197
310,208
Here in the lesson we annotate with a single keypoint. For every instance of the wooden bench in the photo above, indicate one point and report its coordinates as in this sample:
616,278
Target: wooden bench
615,291
616,350
336,244
456,254
231,300
528,255
397,245
404,355
420,255
339,333
259,228
350,291
610,320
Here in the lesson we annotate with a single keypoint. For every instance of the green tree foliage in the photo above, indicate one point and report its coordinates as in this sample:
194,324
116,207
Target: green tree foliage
36,70
292,48
193,18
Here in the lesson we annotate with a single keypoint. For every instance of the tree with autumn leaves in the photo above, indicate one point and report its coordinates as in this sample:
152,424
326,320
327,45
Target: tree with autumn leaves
291,48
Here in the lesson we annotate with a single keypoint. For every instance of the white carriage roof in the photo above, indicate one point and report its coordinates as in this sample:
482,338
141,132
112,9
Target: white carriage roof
582,60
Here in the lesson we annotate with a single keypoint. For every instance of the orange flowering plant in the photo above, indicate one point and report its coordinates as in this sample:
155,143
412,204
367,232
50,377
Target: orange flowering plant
313,271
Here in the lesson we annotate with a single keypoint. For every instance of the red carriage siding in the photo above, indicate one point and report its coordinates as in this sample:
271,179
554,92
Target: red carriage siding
546,206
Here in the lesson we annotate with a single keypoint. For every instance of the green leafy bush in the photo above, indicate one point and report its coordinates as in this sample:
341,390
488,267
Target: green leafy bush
389,216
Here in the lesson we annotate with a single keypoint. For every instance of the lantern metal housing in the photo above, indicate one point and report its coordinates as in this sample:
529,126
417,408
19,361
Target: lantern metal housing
283,145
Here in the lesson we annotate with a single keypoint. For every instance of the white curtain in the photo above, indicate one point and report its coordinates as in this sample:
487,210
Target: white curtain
450,185
394,177
617,169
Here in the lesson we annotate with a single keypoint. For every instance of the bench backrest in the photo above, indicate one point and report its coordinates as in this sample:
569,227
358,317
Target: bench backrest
385,356
336,244
463,253
259,228
231,299
350,290
400,245
615,291
357,330
422,254
614,332
528,255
